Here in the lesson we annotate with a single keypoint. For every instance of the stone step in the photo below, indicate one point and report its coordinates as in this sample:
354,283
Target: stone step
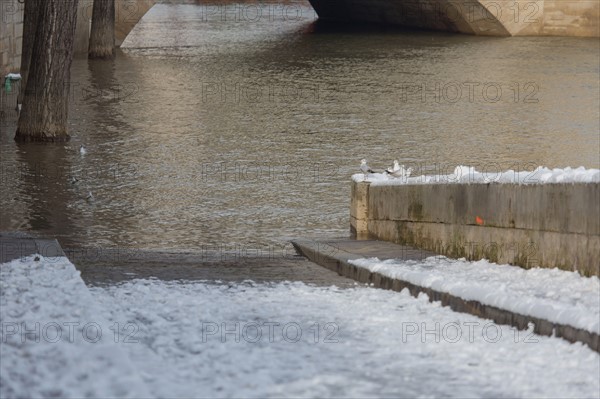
336,254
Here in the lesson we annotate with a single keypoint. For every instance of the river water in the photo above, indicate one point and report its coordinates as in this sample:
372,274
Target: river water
227,126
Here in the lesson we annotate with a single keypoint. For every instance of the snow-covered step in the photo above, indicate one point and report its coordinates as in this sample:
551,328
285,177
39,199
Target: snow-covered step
557,302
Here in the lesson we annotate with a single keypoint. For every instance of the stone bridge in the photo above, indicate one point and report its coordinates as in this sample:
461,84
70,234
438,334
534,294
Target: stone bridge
476,17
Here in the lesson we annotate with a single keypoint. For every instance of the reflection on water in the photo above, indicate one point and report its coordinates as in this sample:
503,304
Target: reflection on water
215,130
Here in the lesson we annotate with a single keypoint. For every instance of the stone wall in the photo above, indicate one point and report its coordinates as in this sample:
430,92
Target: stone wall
571,18
11,36
545,225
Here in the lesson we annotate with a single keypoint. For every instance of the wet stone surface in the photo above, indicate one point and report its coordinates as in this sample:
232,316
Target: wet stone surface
113,267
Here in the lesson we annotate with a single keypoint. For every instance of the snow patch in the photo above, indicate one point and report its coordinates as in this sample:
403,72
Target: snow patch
358,342
370,349
468,175
54,341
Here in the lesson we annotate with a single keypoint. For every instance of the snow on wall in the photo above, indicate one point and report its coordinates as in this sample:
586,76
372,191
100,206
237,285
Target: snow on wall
468,175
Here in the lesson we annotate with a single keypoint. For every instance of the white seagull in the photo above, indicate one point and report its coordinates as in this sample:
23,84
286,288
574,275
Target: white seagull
394,168
365,168
82,150
399,171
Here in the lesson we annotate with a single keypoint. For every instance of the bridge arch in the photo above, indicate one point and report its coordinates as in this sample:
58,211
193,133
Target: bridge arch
129,13
477,17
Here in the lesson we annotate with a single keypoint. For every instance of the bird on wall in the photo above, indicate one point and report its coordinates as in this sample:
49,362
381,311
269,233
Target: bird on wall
394,168
365,168
399,171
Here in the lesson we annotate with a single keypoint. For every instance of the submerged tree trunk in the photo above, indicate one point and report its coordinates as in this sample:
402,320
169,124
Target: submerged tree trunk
102,37
46,100
30,23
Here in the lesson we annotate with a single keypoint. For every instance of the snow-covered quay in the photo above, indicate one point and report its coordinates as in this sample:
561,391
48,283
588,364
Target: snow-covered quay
208,339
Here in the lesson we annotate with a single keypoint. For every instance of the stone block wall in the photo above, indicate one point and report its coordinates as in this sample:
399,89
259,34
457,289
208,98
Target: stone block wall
545,225
11,36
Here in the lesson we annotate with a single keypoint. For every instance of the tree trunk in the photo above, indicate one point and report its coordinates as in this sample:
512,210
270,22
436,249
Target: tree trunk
102,37
46,100
30,23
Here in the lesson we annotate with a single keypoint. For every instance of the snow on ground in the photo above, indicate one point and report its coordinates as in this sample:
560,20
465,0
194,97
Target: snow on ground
181,339
556,295
58,312
467,174
381,350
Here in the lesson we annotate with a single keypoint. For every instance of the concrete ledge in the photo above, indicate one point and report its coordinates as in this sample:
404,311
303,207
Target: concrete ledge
334,257
538,225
